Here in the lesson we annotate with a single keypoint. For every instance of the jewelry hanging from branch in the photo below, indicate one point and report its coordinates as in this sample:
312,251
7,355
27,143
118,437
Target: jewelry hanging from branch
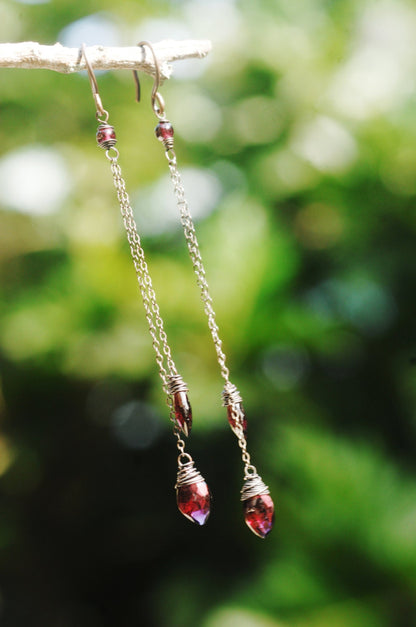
258,505
192,492
32,55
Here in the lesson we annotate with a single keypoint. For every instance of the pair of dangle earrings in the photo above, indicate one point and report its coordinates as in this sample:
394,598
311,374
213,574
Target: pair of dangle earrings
192,493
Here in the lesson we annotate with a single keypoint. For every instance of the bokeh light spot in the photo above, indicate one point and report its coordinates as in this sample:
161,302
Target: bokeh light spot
318,226
188,109
237,617
368,305
380,70
326,144
97,29
6,455
34,180
156,211
256,120
285,366
136,425
32,1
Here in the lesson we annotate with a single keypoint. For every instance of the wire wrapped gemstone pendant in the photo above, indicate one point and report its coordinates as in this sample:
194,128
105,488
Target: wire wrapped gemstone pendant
106,136
164,132
181,405
236,416
192,493
258,505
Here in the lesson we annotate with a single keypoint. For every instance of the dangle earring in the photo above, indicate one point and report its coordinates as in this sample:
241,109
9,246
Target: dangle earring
192,493
258,505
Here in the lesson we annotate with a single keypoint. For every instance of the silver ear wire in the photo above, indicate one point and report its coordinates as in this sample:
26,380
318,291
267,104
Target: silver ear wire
101,113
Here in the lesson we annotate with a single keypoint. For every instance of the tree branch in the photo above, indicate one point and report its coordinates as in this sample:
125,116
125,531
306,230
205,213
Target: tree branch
31,55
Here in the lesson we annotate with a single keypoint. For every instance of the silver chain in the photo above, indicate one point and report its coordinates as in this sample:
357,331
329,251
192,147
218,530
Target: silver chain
249,469
154,319
230,391
195,254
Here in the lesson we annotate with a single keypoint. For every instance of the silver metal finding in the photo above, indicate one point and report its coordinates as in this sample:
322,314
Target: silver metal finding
158,104
195,254
253,486
154,319
231,395
175,384
187,474
161,347
101,113
168,143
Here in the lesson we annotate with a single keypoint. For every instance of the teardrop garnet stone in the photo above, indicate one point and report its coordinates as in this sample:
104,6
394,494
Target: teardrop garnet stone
183,411
194,501
232,420
259,514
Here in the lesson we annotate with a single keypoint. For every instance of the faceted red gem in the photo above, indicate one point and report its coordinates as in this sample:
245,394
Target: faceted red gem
183,411
164,130
259,514
233,421
194,501
106,136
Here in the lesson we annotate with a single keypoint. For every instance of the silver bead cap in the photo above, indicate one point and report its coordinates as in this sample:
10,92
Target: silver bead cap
231,395
188,474
176,384
253,486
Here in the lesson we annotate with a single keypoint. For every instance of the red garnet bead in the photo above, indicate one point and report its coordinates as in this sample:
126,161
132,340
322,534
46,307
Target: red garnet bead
259,514
232,420
194,501
106,136
164,130
183,411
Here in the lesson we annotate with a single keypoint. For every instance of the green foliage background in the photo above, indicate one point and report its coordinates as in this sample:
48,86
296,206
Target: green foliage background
300,128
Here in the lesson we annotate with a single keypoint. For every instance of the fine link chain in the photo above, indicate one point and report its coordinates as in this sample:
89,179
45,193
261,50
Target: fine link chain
193,247
195,254
249,469
156,328
231,396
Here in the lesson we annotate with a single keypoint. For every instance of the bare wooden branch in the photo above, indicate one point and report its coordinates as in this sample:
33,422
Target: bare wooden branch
32,55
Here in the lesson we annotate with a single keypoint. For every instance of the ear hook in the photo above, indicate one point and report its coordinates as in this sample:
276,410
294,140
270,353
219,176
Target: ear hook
101,112
158,104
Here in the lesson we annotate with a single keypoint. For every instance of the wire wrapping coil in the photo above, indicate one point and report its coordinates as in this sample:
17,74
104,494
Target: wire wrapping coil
253,486
176,384
231,395
188,474
103,141
168,143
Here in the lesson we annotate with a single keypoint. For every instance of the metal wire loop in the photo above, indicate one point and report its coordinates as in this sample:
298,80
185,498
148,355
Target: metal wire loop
158,105
112,153
186,456
171,156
